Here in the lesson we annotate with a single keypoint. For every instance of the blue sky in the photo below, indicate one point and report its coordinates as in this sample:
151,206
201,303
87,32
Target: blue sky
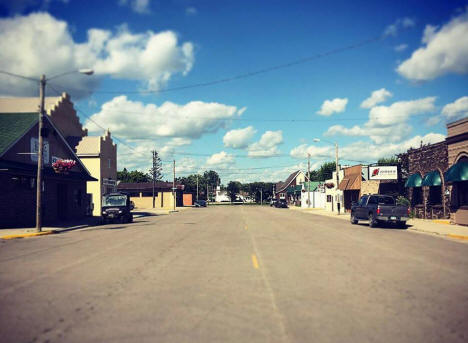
375,100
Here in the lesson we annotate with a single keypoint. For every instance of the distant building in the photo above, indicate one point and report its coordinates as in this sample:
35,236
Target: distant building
290,189
99,155
142,194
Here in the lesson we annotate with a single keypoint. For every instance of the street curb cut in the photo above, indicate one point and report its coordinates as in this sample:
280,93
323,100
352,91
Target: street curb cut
26,235
451,235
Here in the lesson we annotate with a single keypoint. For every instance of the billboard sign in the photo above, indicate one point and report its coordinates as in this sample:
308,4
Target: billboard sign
383,173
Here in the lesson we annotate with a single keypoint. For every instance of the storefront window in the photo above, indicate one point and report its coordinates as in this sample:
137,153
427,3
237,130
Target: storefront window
417,196
435,195
462,193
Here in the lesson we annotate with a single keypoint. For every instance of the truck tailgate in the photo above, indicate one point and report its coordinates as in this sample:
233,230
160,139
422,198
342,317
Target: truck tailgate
393,211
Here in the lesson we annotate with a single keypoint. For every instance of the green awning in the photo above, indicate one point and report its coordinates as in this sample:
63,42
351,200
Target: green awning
457,172
313,185
294,189
432,179
414,180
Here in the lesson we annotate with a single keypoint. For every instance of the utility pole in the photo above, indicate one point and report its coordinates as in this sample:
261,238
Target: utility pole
39,156
261,196
308,173
154,180
206,190
197,187
174,189
337,177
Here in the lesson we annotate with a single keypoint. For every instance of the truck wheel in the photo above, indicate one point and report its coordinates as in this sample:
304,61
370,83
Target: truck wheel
130,218
353,219
402,225
372,220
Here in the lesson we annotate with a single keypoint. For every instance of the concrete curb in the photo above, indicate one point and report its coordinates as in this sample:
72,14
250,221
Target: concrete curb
27,235
451,235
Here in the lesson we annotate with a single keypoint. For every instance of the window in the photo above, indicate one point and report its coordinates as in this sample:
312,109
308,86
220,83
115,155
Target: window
386,201
109,160
329,198
435,195
363,200
417,196
372,200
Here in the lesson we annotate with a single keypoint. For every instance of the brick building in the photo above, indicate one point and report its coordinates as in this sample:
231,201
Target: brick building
457,175
438,176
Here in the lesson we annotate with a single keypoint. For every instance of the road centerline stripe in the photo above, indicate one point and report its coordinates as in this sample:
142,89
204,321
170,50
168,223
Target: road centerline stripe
255,261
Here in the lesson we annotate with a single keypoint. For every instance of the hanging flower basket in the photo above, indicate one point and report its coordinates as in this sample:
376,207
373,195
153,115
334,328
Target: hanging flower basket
63,166
329,185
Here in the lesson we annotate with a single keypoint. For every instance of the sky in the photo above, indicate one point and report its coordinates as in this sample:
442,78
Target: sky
246,88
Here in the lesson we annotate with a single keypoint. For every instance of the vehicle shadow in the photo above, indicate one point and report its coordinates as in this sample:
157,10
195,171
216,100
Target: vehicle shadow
385,226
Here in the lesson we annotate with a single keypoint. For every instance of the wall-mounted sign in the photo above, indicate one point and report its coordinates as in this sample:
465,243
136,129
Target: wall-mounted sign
35,150
383,173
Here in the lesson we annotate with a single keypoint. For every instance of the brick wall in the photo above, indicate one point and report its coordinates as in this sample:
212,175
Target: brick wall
424,160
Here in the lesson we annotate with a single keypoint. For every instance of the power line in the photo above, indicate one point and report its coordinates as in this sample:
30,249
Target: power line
252,73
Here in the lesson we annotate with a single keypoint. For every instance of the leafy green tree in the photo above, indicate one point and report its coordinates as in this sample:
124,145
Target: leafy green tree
233,189
388,161
134,176
325,171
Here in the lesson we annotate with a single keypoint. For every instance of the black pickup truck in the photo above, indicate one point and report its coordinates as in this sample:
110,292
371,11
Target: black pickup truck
378,209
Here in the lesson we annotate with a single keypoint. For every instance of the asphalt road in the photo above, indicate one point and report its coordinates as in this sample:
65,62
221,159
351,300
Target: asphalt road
234,274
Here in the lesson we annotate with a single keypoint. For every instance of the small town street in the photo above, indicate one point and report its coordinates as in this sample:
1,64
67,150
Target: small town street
234,274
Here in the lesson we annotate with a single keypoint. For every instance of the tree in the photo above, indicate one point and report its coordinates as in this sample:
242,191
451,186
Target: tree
233,189
325,172
134,176
155,173
388,161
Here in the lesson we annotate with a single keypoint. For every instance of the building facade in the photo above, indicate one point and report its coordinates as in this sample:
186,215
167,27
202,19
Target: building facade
456,176
64,192
142,194
99,155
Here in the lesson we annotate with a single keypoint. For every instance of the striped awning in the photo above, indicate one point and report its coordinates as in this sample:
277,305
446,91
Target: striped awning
414,180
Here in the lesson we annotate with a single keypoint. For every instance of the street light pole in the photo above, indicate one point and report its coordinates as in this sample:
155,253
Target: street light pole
308,176
39,155
337,176
337,170
40,148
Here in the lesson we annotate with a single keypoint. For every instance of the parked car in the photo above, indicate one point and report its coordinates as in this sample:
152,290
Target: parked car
281,204
200,203
272,202
378,209
117,207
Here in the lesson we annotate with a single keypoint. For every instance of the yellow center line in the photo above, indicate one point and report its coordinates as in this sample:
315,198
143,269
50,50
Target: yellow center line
254,261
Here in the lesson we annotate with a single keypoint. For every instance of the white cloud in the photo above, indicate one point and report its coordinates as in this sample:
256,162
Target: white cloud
191,11
365,152
393,29
239,138
457,109
400,111
149,57
302,151
376,97
267,146
336,105
401,47
135,120
444,51
138,6
220,159
387,123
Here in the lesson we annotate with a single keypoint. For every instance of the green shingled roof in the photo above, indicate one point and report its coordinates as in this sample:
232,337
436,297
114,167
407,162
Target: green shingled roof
13,126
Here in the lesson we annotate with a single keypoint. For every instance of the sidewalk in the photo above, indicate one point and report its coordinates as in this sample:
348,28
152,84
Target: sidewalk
435,227
77,224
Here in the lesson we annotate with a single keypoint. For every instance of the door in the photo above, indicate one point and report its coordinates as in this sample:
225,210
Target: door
360,209
62,201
